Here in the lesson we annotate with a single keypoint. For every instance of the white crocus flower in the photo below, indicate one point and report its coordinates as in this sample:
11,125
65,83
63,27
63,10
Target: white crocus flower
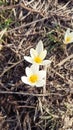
34,76
68,38
37,55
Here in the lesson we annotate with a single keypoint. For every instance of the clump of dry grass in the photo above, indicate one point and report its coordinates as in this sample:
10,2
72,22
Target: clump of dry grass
20,105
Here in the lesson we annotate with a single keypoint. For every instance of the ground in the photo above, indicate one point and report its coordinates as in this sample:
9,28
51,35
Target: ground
22,24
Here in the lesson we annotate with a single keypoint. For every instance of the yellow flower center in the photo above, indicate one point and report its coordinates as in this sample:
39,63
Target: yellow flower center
68,39
33,78
37,59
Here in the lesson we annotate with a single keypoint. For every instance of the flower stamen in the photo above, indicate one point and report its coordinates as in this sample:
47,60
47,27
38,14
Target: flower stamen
38,59
33,78
68,39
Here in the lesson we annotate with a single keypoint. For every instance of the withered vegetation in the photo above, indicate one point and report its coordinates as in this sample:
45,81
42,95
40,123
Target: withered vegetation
26,22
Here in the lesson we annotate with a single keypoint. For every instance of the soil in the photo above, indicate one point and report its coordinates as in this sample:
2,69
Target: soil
23,107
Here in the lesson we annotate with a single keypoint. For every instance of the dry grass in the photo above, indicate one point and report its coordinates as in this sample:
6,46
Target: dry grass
22,107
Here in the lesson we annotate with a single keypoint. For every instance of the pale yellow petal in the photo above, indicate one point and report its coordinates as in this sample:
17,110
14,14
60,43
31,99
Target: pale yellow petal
39,47
33,53
46,62
68,38
42,74
28,58
43,54
24,79
35,68
67,34
40,83
28,71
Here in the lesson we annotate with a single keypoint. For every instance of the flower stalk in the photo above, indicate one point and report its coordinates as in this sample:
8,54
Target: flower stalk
44,87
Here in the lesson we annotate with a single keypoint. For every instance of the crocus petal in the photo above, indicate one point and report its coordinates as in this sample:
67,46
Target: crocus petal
35,68
31,84
68,30
28,58
71,40
43,54
71,35
40,83
39,47
67,33
28,71
33,53
42,74
46,62
24,79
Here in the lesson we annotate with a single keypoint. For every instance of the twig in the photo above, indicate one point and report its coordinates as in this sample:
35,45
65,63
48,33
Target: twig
25,106
13,64
61,76
31,10
11,67
58,73
28,24
64,60
29,94
44,87
9,7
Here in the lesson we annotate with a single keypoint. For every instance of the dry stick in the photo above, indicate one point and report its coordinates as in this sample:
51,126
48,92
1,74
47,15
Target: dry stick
40,104
9,7
29,94
25,106
31,10
13,65
28,24
60,64
66,80
44,90
63,61
57,73
44,87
